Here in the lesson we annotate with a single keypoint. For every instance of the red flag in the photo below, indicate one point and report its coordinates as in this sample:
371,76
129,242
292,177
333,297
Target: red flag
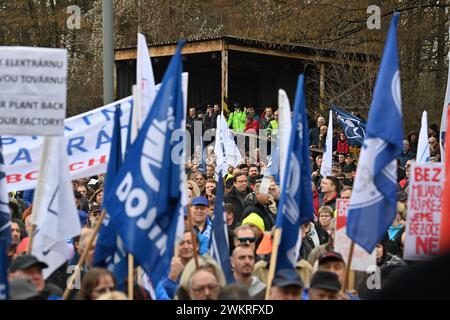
445,213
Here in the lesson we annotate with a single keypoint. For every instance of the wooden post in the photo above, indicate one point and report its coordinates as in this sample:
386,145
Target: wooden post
224,70
130,276
84,255
322,85
349,264
273,261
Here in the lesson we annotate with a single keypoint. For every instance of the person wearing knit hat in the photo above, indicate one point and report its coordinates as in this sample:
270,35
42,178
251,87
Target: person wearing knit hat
254,219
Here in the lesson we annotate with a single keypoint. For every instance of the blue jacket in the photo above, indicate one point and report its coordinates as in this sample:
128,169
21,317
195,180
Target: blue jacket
166,288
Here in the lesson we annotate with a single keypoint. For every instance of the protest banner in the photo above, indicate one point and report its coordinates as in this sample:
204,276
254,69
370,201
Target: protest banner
361,260
88,139
33,89
424,211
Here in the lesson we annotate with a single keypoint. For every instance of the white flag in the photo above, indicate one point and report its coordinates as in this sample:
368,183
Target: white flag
423,148
54,208
145,80
327,162
285,125
225,149
443,129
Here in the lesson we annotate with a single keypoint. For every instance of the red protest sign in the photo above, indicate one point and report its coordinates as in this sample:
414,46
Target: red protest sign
424,211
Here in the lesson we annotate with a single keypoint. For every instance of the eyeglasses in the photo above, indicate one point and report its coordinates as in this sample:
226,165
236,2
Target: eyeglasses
210,287
95,214
244,240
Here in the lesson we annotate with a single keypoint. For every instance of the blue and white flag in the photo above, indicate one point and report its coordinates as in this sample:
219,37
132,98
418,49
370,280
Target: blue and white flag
327,162
354,127
296,203
5,229
109,250
423,147
373,204
54,210
146,200
219,243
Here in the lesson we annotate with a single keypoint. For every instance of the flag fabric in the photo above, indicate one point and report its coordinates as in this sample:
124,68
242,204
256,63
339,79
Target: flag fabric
109,251
284,131
225,149
444,242
146,200
219,242
423,148
5,229
145,79
443,129
373,204
354,127
54,208
327,162
296,202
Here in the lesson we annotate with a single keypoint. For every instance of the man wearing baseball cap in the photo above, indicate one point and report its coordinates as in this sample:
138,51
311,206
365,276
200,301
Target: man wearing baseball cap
324,286
200,217
287,285
29,267
332,261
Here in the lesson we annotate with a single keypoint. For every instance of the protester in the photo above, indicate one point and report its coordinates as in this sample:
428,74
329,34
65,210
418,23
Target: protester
96,282
237,194
243,263
29,267
203,285
200,217
324,286
286,285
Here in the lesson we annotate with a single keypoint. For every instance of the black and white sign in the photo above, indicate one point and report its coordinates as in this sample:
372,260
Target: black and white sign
32,91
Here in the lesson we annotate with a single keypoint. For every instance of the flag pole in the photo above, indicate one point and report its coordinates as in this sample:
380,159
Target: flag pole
273,261
130,276
349,265
82,259
194,238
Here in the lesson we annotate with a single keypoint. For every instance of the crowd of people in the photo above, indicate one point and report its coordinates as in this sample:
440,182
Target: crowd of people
251,209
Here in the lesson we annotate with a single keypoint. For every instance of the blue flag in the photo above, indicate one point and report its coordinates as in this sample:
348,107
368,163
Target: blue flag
145,200
109,251
5,229
373,203
354,127
296,202
219,242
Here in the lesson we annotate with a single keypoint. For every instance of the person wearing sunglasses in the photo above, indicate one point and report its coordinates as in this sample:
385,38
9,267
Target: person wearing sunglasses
244,235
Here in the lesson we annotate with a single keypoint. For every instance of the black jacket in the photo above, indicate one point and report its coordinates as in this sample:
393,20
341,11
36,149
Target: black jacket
237,200
262,211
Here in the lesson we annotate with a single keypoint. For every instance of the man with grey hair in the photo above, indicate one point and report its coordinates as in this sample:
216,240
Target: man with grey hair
203,285
261,208
315,132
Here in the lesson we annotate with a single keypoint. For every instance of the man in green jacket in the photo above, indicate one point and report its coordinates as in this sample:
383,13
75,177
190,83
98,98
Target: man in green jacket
236,119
